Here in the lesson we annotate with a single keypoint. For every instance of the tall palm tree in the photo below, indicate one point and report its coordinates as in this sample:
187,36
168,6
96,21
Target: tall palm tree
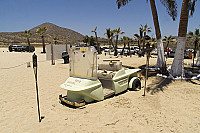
27,34
41,31
110,35
98,45
145,29
139,37
195,36
117,32
172,11
178,62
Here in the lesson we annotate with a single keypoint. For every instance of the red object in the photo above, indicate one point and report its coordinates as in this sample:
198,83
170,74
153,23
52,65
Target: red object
168,50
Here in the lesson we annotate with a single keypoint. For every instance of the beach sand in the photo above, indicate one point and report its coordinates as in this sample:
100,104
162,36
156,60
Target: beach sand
169,106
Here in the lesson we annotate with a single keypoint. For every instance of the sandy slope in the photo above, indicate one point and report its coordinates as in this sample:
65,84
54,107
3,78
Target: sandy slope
169,106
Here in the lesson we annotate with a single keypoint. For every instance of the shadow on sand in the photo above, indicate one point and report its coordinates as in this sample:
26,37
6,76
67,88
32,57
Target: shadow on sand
158,85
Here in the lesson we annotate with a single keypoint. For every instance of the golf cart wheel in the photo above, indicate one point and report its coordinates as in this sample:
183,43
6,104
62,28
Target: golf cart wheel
136,84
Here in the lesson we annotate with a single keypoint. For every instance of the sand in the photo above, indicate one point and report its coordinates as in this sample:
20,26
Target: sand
169,106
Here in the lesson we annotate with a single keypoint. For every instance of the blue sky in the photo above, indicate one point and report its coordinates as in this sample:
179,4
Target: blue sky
84,15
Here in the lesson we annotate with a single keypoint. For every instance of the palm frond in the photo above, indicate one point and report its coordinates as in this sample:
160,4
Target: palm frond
136,35
193,8
171,7
121,3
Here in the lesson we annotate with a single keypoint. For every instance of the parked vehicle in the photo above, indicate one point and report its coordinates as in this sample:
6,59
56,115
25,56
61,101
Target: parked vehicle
28,49
89,82
16,48
171,54
107,49
119,49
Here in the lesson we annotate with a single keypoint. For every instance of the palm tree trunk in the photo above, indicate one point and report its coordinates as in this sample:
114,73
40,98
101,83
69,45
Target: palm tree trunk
178,62
143,43
122,52
98,47
129,49
110,43
115,54
29,44
43,43
161,59
138,43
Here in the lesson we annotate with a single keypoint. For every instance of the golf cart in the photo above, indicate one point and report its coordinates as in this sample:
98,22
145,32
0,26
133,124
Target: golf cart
87,84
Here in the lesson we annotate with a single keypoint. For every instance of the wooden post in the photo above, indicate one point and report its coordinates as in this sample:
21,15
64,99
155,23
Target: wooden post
52,60
35,72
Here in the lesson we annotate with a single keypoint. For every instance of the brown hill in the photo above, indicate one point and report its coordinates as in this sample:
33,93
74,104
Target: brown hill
63,34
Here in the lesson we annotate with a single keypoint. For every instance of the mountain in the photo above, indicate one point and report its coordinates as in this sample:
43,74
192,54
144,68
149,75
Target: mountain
53,31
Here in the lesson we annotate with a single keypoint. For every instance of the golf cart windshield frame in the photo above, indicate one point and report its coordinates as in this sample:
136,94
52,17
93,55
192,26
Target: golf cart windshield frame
83,62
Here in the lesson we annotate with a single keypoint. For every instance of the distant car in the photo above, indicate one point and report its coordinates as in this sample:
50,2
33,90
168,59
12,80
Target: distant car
16,48
171,54
136,48
107,49
119,49
132,51
28,49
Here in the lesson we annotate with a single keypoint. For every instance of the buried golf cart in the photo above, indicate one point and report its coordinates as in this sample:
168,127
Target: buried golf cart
87,84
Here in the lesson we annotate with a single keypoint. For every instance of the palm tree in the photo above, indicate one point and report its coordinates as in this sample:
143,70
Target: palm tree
129,48
153,41
172,11
123,39
168,40
178,62
86,39
92,41
145,29
117,32
55,40
139,37
41,31
195,36
110,35
98,46
27,34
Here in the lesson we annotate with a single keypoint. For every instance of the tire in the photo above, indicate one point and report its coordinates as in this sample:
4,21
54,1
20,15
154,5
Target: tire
136,85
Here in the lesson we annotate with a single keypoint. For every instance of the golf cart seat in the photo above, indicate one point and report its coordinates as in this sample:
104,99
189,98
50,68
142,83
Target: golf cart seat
104,74
110,66
107,70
